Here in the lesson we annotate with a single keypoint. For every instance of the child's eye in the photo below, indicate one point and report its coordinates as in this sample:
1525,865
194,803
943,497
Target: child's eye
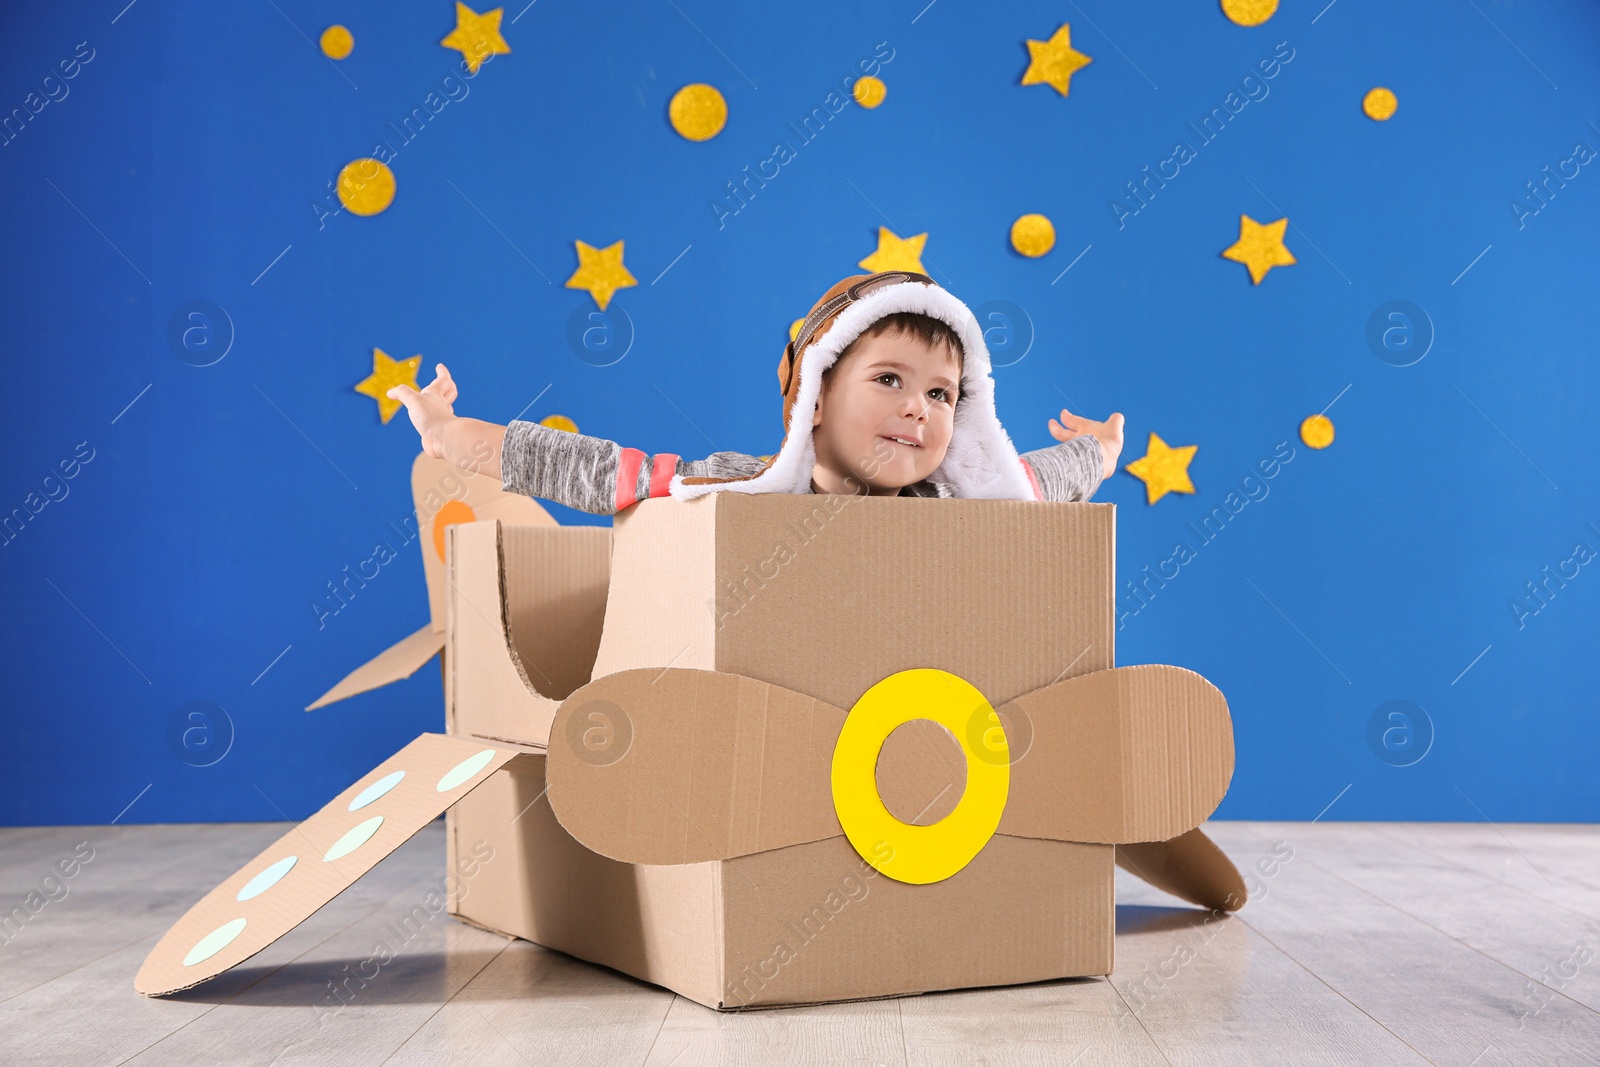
944,394
887,374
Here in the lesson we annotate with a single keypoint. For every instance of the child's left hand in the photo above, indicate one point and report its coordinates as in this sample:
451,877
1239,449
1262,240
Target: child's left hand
1109,433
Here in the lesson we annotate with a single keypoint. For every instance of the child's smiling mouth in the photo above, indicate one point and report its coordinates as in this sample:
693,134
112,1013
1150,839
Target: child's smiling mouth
906,441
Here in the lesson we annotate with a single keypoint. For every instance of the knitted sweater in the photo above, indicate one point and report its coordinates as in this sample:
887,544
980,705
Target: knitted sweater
602,477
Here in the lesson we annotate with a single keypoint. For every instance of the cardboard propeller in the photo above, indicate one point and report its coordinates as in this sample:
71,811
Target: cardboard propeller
319,859
683,766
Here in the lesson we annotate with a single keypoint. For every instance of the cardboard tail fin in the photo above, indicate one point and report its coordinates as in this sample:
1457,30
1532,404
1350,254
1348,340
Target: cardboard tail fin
1190,867
400,660
320,858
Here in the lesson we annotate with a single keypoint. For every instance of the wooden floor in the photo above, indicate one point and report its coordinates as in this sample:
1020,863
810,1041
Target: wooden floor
1373,943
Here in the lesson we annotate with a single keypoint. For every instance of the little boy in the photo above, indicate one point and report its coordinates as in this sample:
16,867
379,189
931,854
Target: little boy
886,391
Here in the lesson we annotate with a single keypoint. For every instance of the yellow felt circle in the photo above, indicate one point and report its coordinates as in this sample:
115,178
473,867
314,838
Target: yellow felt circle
1317,431
1033,235
1249,12
794,328
907,853
698,112
869,92
366,186
1379,104
336,42
559,422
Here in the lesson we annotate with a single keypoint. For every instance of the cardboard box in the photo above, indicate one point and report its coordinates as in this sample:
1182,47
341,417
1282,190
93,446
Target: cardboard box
688,766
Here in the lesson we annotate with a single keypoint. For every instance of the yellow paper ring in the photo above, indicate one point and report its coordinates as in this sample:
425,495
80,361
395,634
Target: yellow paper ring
905,852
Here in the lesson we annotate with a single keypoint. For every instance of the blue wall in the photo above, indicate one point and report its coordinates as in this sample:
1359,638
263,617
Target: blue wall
195,146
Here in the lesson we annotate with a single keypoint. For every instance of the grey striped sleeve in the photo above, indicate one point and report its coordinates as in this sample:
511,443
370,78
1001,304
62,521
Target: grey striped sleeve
581,471
1068,470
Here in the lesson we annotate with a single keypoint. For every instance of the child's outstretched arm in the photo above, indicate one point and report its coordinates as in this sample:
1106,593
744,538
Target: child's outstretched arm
597,475
1087,455
470,444
579,471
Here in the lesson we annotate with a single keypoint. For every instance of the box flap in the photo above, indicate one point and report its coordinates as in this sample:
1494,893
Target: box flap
695,765
1190,867
319,859
398,661
525,611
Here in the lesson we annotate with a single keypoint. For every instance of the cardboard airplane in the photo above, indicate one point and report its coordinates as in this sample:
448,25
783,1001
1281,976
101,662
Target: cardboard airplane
779,749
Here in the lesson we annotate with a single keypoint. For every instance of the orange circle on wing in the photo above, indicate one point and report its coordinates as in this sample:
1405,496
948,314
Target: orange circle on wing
454,511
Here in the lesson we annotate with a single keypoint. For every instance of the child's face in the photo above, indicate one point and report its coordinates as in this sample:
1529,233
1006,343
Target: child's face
887,385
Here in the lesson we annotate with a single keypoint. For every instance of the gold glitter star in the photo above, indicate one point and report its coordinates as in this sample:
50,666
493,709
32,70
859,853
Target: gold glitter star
386,374
601,272
476,36
1162,469
1053,62
1259,247
896,253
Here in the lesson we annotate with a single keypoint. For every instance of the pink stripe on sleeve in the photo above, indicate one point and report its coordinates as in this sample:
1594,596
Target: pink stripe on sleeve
628,465
665,465
1032,479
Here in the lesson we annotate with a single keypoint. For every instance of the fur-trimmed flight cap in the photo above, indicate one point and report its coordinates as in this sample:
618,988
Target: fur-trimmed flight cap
981,461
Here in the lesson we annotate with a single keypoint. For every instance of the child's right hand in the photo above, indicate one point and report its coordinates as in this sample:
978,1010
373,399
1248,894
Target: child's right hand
430,410
1109,433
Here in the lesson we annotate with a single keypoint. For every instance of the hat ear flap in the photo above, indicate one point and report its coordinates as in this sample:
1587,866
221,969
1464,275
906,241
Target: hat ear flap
786,368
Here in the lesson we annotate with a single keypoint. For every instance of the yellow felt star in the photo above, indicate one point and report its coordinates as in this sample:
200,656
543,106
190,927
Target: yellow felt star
1053,62
1162,469
896,253
600,271
386,374
476,36
1259,247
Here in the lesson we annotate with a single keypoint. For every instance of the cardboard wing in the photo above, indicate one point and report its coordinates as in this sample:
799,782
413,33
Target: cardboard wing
683,766
319,859
443,495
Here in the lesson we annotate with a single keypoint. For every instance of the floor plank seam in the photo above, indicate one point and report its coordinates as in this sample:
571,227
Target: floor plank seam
1571,883
308,949
1338,993
1266,839
673,1000
86,963
1513,968
446,1002
1145,1029
900,1021
104,1040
